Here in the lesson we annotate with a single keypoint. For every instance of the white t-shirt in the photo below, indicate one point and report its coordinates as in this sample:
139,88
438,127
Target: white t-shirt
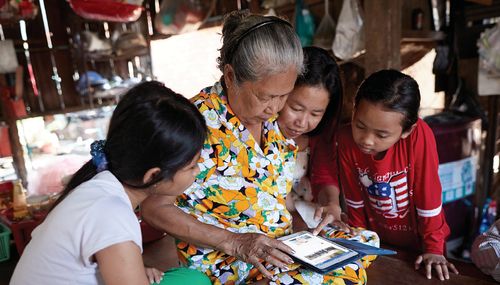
95,215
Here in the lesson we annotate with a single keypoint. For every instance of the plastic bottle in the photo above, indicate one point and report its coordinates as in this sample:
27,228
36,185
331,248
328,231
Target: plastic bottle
19,201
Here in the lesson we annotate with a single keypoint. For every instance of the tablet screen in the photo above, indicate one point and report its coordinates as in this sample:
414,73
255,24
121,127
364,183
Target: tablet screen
317,251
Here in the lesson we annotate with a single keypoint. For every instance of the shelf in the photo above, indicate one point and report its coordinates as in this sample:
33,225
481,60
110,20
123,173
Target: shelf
66,110
14,20
142,52
411,52
422,36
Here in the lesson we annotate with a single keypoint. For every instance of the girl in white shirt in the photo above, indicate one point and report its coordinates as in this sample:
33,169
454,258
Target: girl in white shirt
92,235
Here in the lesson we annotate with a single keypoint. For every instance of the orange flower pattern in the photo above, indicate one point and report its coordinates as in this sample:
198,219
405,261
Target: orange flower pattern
242,188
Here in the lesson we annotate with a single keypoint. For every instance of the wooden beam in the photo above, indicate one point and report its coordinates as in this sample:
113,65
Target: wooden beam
254,6
382,34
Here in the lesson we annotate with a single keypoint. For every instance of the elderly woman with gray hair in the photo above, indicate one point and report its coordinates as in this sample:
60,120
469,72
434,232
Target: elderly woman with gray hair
227,221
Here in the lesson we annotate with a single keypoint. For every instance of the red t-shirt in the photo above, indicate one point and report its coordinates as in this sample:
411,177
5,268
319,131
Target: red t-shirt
398,196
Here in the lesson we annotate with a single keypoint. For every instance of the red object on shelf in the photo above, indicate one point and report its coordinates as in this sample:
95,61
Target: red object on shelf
21,230
5,149
14,107
6,188
106,10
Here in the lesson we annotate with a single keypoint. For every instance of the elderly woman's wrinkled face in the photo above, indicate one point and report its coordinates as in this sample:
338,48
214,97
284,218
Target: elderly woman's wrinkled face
303,110
255,102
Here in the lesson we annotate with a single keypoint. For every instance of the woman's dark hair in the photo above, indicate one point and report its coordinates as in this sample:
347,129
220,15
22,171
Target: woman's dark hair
322,70
396,91
152,126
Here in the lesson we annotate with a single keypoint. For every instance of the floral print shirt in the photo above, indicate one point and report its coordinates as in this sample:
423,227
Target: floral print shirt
241,186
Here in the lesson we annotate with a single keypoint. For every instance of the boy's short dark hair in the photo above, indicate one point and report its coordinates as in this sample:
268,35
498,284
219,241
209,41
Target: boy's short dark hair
396,91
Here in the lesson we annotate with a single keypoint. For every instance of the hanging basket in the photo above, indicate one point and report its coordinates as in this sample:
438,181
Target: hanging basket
106,10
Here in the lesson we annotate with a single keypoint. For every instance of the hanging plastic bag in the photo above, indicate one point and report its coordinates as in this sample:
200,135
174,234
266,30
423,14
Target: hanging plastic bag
326,30
177,17
349,38
489,61
304,24
130,43
489,50
8,63
108,10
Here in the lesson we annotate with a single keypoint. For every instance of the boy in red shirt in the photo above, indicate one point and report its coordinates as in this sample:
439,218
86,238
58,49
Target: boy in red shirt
388,171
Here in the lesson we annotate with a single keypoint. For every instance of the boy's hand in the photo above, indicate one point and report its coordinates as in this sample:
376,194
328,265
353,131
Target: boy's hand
440,264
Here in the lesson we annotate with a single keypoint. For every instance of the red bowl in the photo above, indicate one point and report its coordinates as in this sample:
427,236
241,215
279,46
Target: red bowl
106,10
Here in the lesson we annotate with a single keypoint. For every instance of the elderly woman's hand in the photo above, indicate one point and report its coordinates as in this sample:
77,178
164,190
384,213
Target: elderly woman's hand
256,248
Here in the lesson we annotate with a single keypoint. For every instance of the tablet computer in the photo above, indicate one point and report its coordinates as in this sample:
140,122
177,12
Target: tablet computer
317,253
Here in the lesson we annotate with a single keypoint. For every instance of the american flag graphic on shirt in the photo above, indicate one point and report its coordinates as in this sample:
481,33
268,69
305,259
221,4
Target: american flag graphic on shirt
391,197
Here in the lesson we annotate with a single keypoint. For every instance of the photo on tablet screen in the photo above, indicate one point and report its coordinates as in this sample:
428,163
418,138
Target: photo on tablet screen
317,251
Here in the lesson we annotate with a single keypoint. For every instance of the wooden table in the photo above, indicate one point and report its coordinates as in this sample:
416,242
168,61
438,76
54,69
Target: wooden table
398,269
388,270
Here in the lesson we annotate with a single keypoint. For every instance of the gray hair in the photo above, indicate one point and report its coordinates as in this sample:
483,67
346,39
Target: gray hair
256,51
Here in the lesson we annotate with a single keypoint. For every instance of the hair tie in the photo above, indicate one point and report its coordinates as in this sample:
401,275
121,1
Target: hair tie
268,21
98,156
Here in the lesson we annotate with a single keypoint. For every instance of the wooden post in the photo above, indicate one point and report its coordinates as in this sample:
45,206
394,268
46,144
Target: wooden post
382,34
17,148
254,6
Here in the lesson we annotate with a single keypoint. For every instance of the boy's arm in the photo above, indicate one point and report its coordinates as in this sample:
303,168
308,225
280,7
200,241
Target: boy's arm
351,189
428,192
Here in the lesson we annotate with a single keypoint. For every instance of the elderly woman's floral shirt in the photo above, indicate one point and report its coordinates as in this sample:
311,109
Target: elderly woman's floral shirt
241,186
